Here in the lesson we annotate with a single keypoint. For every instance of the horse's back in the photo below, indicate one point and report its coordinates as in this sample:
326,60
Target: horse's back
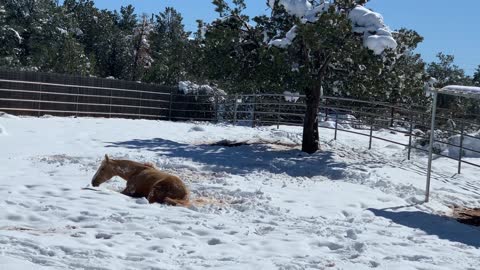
149,179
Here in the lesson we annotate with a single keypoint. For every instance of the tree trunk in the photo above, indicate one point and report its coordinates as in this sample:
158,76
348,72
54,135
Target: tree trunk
310,143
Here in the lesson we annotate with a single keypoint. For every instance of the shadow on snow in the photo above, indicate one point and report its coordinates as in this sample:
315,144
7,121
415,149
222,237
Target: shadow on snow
244,159
444,227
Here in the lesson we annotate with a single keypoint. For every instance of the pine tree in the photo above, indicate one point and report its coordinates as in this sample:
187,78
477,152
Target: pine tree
476,77
71,58
447,73
10,41
317,44
142,59
171,50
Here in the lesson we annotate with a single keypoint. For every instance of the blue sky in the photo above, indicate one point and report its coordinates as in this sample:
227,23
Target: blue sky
448,26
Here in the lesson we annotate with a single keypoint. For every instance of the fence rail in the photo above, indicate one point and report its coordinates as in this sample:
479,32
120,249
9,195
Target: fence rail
41,93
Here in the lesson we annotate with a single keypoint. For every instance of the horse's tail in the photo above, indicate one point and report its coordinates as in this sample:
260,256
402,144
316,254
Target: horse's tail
177,202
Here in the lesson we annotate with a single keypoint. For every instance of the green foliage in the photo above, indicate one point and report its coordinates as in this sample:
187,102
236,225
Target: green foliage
447,73
172,50
476,77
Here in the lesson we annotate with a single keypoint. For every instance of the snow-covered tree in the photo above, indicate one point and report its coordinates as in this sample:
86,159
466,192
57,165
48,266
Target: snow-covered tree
10,41
142,59
320,34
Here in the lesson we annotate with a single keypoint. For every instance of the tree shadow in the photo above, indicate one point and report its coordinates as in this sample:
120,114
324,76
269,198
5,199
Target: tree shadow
446,228
244,159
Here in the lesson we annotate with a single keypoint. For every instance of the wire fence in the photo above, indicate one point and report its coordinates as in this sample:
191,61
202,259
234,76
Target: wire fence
31,93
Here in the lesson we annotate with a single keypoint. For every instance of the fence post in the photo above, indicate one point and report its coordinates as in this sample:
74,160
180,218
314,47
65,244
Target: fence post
371,135
254,107
392,115
40,101
170,106
410,137
461,149
140,105
76,101
111,97
278,113
235,110
216,108
336,125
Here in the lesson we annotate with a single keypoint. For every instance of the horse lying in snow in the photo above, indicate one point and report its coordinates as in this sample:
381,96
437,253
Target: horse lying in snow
143,180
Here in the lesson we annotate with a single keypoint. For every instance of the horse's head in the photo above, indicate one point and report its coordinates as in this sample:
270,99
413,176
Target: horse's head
104,173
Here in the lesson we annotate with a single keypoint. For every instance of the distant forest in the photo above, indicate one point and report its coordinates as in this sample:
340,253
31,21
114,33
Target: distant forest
231,52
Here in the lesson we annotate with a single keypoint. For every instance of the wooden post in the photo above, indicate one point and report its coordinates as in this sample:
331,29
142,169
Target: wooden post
371,135
170,106
460,153
254,107
336,125
410,136
235,107
278,113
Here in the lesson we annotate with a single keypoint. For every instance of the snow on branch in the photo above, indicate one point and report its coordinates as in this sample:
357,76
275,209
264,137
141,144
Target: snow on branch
377,36
462,91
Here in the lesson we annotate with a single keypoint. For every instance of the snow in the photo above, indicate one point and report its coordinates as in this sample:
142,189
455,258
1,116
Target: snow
377,36
270,205
291,97
62,31
295,7
458,90
3,131
188,87
17,35
286,41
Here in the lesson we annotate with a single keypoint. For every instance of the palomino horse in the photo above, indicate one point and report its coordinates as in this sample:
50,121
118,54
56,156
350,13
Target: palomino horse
143,180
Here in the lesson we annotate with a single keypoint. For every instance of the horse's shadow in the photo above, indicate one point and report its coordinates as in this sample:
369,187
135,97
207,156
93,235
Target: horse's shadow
444,227
244,159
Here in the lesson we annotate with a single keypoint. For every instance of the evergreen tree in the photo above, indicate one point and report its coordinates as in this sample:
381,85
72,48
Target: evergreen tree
142,59
10,41
447,73
314,42
171,49
317,44
476,77
71,58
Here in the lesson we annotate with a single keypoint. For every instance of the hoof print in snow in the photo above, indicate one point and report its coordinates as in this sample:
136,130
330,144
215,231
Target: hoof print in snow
214,241
105,236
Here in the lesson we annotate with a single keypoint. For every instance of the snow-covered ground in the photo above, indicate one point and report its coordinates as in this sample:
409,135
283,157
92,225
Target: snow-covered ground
272,207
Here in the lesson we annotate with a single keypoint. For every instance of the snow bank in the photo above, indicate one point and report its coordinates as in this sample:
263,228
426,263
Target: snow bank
8,116
468,142
3,131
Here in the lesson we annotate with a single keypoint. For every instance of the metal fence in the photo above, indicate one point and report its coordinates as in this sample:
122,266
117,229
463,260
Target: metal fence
36,94
32,93
354,116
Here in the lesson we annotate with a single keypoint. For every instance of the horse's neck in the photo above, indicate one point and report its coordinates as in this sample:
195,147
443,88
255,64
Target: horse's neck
127,169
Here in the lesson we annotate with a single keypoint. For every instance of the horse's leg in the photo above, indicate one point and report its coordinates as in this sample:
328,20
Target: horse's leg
157,195
130,192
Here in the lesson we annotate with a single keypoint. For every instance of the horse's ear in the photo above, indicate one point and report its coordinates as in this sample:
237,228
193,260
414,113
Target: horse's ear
107,159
